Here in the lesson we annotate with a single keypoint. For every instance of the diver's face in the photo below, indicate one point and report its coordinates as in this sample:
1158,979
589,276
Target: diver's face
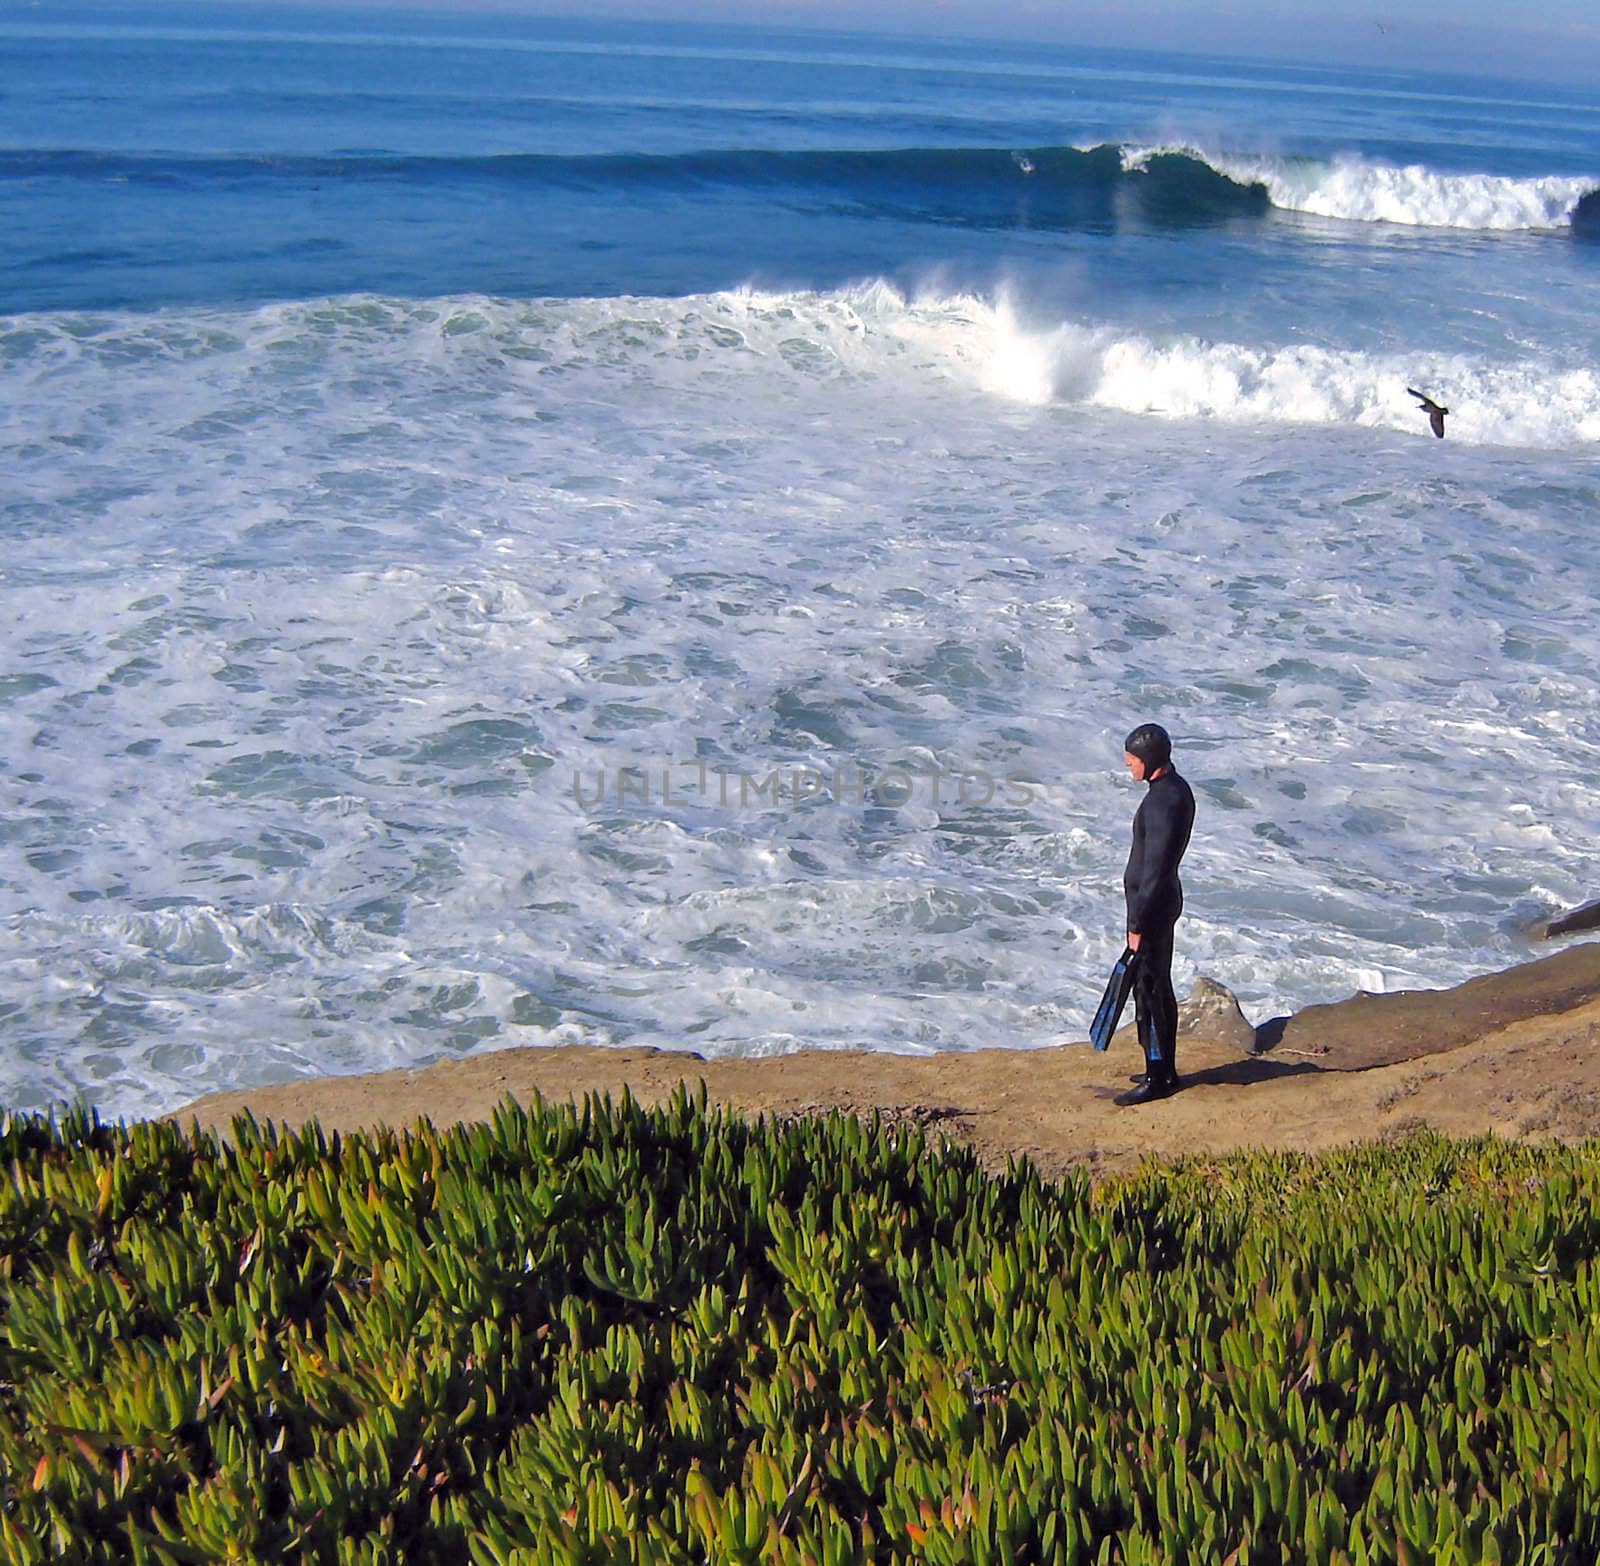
1134,765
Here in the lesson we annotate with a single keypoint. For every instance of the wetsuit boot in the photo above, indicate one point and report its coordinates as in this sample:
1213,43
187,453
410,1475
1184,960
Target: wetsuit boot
1159,1079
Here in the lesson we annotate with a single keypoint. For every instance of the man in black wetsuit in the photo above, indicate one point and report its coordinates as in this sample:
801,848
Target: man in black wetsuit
1161,828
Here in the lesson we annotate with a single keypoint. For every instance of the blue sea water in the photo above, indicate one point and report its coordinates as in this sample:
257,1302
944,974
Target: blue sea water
521,532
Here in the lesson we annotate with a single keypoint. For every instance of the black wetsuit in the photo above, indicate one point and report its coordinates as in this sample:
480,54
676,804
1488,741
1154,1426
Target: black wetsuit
1161,828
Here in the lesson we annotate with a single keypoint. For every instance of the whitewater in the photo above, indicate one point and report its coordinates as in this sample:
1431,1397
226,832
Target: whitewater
721,637
1358,191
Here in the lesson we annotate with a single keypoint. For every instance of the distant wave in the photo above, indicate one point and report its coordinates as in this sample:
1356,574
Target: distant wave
1052,187
1355,190
1109,186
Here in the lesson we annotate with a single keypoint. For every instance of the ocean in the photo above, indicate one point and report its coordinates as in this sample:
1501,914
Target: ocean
521,532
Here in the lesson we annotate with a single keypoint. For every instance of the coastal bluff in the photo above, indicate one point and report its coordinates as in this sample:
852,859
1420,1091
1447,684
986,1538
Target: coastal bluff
1513,1052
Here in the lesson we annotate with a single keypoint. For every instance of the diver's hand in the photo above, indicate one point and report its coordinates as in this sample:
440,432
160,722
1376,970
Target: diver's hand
1133,940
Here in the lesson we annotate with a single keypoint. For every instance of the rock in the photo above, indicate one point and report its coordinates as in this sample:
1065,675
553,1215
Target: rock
1383,1030
1585,918
1212,1013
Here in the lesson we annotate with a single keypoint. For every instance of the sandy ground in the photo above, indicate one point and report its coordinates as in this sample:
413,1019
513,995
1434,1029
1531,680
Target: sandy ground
1512,1052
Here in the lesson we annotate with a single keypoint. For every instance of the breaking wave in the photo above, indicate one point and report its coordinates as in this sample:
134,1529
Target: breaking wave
873,332
1525,404
1353,189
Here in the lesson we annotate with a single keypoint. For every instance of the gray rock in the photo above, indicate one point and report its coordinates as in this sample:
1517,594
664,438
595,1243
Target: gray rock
1211,1015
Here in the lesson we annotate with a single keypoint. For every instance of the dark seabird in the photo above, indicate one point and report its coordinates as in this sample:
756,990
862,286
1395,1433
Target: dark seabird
1432,409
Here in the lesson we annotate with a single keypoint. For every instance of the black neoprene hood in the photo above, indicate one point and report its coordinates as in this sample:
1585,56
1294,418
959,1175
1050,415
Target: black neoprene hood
1151,744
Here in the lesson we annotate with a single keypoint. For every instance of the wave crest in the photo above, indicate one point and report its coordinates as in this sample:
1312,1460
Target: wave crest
1352,189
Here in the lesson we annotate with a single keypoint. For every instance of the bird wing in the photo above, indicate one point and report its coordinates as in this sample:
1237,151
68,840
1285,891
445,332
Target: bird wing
1436,419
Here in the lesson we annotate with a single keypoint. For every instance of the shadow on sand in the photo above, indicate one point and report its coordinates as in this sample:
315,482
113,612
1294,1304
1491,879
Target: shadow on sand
1247,1071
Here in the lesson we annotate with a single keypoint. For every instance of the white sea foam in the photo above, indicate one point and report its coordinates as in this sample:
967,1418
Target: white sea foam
314,614
1359,190
1530,404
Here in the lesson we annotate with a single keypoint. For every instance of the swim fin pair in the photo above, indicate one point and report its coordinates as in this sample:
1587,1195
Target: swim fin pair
1118,988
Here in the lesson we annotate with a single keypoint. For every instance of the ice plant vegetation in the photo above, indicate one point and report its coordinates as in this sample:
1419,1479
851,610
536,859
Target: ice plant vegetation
602,1333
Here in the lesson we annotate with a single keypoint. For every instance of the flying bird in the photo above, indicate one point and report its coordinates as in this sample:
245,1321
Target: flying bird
1432,409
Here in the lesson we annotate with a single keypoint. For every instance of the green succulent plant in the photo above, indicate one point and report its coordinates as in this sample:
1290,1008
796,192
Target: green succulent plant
599,1333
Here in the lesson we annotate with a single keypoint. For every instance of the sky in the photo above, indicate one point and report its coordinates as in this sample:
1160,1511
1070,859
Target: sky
1549,39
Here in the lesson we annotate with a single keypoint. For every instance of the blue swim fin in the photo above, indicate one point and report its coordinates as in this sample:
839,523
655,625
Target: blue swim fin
1151,1040
1118,989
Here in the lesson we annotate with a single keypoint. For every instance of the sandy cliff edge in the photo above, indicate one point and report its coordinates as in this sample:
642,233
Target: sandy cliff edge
1512,1052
